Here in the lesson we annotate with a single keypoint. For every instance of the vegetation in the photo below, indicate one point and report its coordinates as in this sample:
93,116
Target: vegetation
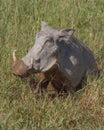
20,109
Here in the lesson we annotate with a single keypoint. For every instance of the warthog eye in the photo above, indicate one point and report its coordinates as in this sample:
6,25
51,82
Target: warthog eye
49,42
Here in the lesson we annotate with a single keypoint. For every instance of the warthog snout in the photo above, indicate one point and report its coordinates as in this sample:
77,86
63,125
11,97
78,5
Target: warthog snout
19,67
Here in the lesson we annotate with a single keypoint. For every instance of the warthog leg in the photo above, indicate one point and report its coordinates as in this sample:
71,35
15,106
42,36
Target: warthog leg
41,86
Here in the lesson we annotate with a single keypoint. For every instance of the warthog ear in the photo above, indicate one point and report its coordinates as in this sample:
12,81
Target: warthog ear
69,31
65,33
43,25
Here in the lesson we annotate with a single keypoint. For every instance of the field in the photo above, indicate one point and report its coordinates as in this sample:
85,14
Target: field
20,108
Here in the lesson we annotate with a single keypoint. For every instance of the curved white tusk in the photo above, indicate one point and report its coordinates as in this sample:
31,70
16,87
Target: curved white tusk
14,56
32,61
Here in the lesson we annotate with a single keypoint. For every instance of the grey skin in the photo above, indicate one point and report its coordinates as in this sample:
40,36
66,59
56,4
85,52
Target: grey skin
63,59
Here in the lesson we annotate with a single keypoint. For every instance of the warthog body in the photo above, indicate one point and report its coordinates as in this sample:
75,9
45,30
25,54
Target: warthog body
62,58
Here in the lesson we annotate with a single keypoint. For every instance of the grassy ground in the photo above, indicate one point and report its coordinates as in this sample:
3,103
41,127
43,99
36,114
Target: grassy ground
20,109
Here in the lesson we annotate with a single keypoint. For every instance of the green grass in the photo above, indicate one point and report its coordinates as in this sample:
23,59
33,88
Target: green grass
20,109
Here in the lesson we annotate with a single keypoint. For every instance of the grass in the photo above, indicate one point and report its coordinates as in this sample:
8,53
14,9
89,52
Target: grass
20,109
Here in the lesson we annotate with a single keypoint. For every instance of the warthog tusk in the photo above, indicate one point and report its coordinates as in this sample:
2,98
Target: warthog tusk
14,56
32,61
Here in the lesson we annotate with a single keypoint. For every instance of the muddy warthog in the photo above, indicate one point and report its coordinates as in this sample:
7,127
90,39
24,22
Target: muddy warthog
63,59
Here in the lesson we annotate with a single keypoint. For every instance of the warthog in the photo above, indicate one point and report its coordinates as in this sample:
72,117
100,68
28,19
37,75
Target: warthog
59,56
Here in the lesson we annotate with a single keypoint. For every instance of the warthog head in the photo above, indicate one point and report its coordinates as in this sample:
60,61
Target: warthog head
44,54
